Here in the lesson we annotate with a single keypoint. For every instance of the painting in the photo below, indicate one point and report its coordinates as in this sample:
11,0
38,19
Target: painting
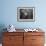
26,14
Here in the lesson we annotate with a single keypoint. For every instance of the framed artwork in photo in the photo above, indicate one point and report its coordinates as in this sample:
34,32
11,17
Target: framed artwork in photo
26,14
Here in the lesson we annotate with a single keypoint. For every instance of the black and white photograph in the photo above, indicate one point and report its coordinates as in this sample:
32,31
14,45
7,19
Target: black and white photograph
25,14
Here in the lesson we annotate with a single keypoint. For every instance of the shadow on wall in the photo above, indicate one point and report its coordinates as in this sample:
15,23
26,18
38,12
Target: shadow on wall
2,27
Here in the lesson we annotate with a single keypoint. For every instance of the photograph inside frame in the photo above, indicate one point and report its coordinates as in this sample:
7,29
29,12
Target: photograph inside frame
25,13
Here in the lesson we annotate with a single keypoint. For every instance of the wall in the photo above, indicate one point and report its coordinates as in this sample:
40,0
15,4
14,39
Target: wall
8,13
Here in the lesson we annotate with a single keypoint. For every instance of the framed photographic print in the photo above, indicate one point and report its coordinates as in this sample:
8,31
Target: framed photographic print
26,14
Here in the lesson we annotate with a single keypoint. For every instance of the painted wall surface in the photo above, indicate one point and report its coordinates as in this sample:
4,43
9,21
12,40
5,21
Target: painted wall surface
9,13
